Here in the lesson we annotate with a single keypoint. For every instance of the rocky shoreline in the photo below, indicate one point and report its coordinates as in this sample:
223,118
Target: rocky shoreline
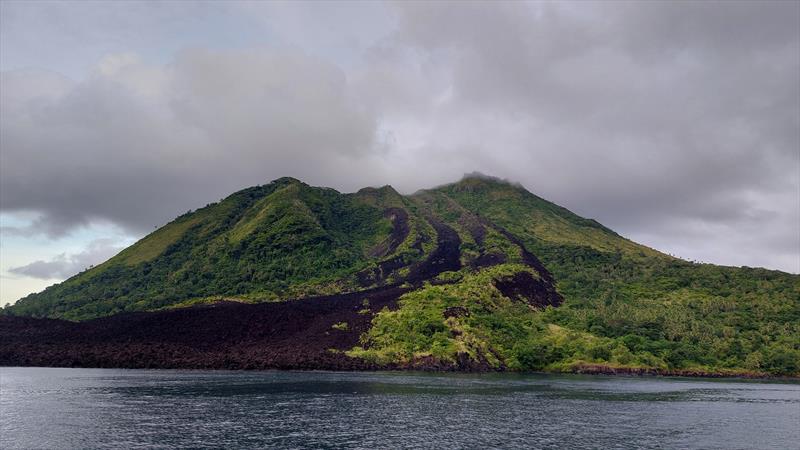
601,369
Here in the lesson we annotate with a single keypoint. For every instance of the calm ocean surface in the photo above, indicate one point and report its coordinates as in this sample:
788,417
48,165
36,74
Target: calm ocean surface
78,408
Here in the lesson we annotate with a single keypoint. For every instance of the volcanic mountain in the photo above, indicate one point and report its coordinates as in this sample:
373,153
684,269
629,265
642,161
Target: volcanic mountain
475,275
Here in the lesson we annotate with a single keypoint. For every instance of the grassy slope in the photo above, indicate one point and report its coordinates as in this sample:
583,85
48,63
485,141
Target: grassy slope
284,238
625,305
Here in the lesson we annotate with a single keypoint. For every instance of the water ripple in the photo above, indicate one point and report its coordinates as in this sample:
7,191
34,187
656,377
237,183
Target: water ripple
80,408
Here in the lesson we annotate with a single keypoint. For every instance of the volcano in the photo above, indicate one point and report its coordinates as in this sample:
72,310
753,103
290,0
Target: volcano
480,274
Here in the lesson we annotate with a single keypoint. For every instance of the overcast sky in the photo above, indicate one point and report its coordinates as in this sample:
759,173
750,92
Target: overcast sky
676,124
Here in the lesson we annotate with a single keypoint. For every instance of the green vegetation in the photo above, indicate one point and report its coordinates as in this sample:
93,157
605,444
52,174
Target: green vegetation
685,329
483,324
667,312
625,305
284,239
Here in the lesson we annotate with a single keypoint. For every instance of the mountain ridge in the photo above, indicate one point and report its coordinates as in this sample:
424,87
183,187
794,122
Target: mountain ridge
284,197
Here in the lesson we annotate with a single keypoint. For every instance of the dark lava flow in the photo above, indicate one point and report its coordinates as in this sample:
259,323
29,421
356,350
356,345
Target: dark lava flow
295,334
285,335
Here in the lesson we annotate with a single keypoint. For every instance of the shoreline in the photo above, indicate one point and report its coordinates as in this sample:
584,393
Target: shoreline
293,336
600,369
595,370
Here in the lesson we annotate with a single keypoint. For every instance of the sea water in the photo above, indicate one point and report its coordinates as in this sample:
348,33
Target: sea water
89,408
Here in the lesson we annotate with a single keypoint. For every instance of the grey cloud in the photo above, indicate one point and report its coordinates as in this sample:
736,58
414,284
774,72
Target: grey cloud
53,224
675,122
136,144
66,265
714,26
633,113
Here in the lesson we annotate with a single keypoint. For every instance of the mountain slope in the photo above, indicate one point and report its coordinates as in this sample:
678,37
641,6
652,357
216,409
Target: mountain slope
257,243
475,275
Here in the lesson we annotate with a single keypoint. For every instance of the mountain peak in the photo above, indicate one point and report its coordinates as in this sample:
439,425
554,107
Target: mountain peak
285,181
385,189
475,180
480,176
385,196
